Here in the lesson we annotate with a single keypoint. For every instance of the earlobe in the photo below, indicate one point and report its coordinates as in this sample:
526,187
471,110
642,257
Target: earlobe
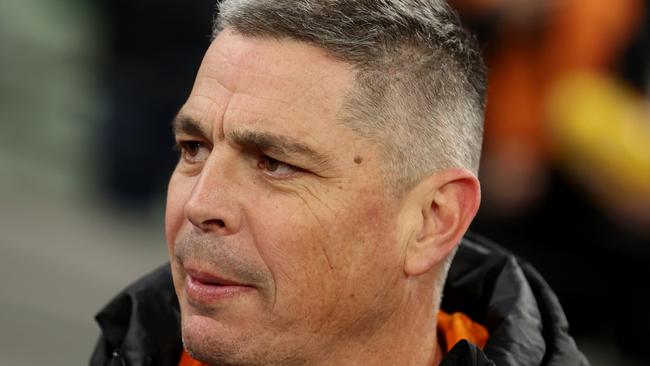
449,200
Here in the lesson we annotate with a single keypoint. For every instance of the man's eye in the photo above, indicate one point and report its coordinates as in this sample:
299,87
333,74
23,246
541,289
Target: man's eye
193,151
275,168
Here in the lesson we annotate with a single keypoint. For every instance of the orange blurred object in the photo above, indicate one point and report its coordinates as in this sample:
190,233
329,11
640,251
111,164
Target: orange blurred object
578,35
527,56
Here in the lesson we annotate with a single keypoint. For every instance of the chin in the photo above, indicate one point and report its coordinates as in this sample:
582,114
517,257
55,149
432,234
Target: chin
212,342
208,341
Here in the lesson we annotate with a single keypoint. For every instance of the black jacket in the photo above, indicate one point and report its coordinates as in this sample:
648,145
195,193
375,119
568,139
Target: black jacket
526,323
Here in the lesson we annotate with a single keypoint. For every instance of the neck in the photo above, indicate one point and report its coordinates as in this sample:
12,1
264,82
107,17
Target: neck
407,337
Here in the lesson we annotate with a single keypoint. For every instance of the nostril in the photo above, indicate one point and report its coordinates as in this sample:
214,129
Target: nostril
212,225
218,222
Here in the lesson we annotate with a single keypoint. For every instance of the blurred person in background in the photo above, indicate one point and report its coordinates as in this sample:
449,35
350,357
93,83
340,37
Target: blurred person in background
566,164
322,190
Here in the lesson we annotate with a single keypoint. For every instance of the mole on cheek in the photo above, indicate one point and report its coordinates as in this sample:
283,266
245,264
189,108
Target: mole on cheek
358,159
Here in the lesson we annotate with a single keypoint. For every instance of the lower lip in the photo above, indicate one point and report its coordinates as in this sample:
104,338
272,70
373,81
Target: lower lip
209,293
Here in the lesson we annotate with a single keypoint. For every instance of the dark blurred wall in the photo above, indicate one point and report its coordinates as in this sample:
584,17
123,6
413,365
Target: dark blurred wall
154,50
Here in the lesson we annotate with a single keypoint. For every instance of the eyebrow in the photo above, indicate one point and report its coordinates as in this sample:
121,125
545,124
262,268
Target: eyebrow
264,141
187,125
279,144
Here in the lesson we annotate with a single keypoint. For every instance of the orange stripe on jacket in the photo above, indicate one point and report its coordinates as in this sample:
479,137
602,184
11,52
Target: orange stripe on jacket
187,360
457,326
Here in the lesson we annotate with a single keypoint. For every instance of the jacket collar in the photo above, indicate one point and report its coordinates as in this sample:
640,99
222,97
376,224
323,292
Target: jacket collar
506,294
142,323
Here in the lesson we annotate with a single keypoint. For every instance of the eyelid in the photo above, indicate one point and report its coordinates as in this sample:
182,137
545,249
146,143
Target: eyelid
294,169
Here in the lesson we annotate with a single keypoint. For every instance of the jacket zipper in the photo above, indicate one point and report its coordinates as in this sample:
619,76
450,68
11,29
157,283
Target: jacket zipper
117,359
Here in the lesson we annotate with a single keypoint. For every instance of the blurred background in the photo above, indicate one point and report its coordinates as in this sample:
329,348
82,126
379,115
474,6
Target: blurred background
88,89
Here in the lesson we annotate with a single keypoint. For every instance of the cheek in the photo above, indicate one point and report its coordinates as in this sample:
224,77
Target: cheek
371,255
178,192
291,239
316,251
370,219
288,240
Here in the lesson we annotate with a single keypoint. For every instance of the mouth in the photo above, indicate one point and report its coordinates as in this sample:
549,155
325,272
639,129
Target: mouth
206,288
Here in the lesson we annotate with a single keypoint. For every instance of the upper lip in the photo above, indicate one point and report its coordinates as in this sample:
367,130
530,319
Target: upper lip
211,278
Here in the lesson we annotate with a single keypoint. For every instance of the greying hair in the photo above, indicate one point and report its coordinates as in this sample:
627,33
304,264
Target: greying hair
420,77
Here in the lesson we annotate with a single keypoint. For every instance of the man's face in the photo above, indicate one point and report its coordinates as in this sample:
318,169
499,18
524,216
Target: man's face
283,238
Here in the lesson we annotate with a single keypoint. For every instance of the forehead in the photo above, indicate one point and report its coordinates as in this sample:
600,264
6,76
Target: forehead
283,85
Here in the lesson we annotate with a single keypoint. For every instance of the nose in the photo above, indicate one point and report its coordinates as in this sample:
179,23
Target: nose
212,206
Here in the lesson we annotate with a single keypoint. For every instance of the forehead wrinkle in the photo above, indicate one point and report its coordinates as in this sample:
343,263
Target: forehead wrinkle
249,116
239,90
246,68
213,95
268,99
209,112
242,84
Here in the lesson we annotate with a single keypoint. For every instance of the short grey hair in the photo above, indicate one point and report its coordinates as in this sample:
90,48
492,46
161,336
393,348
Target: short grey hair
420,77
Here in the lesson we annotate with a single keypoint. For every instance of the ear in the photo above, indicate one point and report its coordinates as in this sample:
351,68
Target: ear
448,201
